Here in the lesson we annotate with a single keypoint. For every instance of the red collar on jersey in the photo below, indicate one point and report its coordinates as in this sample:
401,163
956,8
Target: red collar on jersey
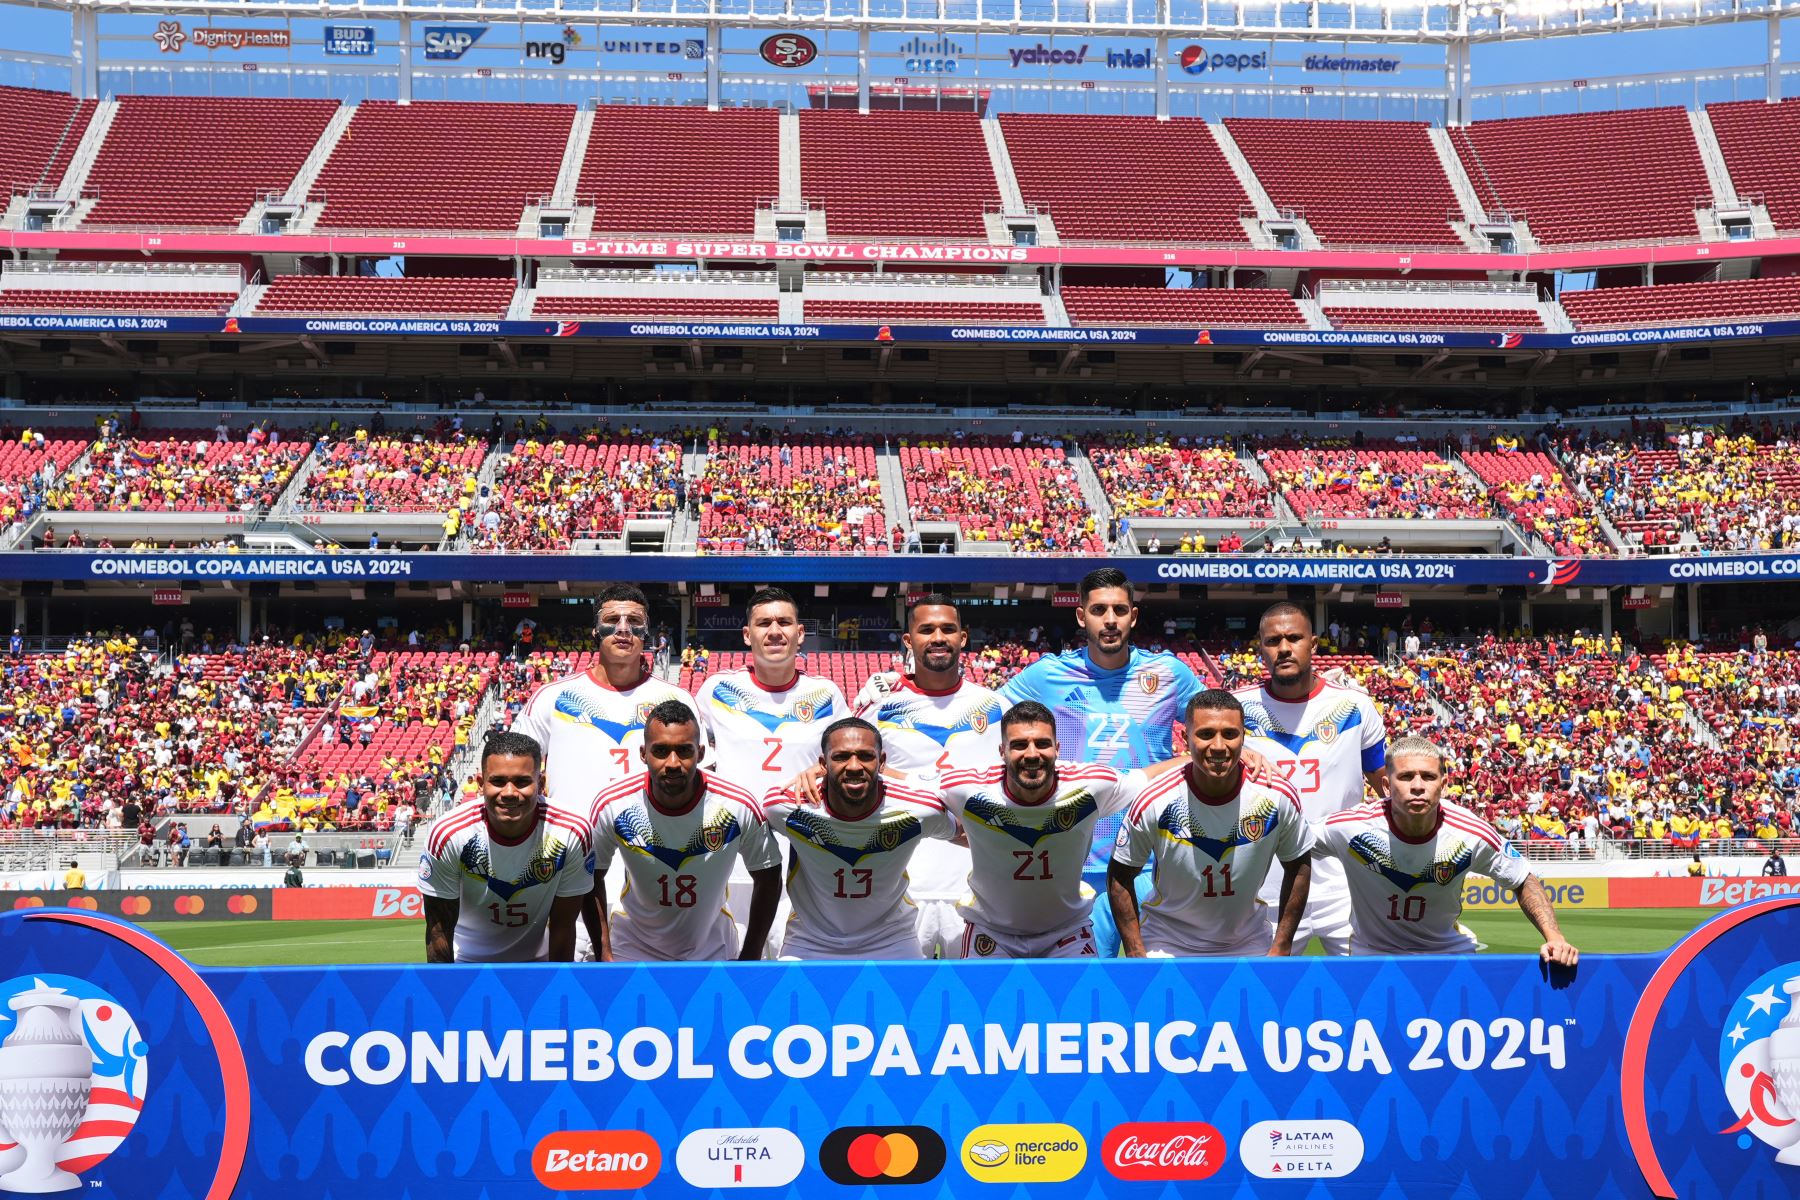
786,687
518,841
909,683
1319,685
1194,787
1387,810
831,810
598,676
1006,790
650,798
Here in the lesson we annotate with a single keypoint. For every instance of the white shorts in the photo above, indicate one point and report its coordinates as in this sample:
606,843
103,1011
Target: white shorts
1167,938
940,929
1462,941
797,947
1327,915
1071,941
719,943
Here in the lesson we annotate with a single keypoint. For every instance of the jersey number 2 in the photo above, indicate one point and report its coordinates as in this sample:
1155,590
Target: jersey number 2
774,753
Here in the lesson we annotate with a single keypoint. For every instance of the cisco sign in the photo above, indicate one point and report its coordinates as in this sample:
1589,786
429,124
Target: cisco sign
447,43
1198,60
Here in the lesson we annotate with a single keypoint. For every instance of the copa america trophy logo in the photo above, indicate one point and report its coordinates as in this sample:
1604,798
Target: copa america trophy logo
1760,1061
1784,1065
46,1074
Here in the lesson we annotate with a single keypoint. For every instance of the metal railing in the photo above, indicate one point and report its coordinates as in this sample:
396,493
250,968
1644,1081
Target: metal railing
757,278
1606,849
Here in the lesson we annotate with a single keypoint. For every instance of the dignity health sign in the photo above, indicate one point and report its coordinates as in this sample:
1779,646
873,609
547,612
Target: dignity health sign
126,1072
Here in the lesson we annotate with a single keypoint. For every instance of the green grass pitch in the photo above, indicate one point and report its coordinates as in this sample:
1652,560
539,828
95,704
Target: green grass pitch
323,943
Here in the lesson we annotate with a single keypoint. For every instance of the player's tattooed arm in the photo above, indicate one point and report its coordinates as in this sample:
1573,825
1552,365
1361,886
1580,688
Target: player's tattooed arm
440,929
1536,906
564,912
1121,894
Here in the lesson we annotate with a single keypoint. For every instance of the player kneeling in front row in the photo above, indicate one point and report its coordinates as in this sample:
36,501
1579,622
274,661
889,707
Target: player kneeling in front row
679,829
847,876
1030,822
1406,855
503,877
1215,830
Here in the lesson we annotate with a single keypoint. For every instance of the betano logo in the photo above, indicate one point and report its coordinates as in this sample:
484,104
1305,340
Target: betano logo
863,1155
1023,1153
596,1159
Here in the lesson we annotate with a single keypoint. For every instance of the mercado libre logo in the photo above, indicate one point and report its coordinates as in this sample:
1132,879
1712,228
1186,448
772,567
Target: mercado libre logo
73,1076
1759,1065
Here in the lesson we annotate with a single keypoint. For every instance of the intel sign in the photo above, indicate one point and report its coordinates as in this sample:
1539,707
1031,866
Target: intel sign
1197,60
447,43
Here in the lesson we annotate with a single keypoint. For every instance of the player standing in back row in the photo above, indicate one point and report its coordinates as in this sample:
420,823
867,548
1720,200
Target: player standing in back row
1114,706
1328,742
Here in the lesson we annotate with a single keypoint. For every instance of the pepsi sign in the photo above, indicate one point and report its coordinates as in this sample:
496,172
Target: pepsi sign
447,43
1197,60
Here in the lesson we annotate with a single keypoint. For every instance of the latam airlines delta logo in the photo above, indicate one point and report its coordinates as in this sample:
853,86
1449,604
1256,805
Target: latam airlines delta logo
72,1081
1759,1064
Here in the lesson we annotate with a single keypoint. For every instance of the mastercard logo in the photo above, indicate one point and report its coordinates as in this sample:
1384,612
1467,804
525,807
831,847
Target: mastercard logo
874,1155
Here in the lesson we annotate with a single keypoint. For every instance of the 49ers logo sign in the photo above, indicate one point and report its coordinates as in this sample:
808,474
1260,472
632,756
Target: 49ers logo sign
1158,1150
789,50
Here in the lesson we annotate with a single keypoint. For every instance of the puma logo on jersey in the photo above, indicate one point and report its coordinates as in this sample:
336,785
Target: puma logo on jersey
635,832
1064,815
571,707
892,833
1257,822
1371,850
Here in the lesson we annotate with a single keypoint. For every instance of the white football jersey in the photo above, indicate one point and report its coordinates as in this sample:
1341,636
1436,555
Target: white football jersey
677,867
924,734
1211,858
591,732
1026,877
506,889
761,738
1406,896
847,880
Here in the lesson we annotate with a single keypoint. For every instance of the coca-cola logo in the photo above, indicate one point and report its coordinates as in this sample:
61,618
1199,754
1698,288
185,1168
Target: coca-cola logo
1158,1150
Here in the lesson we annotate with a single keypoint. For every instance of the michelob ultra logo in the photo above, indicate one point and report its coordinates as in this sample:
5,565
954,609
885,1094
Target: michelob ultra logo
1023,1153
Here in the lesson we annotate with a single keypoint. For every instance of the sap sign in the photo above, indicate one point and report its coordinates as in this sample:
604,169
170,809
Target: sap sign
1195,60
358,40
446,43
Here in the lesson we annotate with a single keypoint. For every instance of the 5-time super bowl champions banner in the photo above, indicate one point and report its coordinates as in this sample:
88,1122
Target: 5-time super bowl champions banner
125,1072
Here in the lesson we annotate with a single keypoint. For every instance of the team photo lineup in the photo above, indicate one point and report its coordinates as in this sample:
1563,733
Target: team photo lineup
931,817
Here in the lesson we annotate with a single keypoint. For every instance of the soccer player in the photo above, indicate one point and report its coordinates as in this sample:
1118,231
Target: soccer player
847,878
503,877
591,723
1215,831
762,721
933,721
1326,740
1406,855
1030,822
679,830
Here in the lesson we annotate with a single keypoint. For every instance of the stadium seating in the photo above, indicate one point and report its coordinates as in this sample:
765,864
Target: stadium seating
680,170
919,312
813,496
1126,179
443,165
1383,481
1250,308
1357,183
364,473
849,669
936,177
364,294
1160,479
1580,177
550,494
187,471
199,161
1497,319
1530,488
1754,136
1683,303
114,300
995,491
39,132
1715,491
614,308
23,482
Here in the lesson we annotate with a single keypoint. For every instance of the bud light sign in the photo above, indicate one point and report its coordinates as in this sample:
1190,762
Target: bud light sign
355,40
447,43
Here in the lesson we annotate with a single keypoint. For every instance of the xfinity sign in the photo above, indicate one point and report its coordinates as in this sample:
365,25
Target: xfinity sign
447,43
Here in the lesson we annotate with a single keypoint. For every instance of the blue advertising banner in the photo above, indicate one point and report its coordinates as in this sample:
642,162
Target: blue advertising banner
124,1069
403,326
1217,569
